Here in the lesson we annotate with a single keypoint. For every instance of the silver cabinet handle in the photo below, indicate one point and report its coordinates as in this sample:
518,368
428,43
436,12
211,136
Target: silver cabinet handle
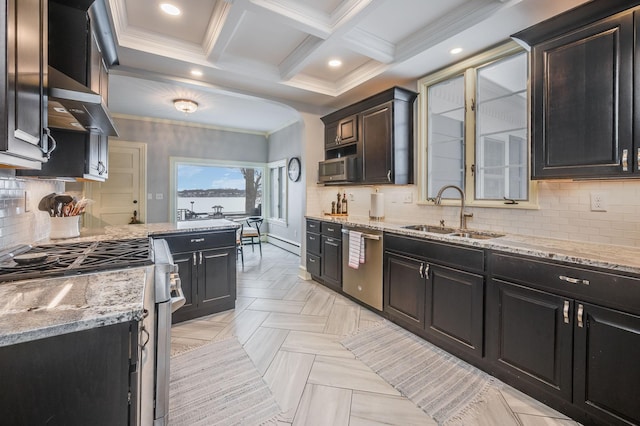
312,260
638,159
580,314
426,271
421,270
194,258
625,162
312,238
573,280
197,240
565,312
201,258
330,240
389,175
329,229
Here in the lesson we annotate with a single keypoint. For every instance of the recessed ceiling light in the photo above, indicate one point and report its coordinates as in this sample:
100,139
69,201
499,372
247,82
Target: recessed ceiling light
455,50
334,63
196,73
170,9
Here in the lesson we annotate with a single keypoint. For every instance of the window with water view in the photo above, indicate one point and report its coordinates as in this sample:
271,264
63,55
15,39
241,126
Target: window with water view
209,191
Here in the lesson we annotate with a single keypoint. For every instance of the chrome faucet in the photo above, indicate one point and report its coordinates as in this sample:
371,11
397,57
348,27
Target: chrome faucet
463,215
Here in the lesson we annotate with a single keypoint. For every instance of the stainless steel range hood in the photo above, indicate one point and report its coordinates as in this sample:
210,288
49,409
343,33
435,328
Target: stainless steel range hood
73,106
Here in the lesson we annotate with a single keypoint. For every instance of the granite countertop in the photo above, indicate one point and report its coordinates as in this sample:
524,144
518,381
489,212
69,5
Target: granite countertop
607,256
121,232
39,308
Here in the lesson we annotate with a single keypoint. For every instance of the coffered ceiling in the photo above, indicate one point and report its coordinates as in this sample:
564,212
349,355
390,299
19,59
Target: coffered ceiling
261,60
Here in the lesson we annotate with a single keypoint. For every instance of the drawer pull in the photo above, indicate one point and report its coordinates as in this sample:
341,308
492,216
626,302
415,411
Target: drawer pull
312,238
201,258
197,240
565,312
330,240
421,270
573,280
194,258
312,260
330,229
625,162
580,314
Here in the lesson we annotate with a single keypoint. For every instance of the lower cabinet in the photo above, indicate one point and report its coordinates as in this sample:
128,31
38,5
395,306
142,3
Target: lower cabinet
546,336
207,269
324,252
444,304
82,378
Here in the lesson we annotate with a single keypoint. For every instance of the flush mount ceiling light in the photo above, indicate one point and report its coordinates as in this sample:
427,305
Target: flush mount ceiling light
185,105
455,50
335,63
196,73
170,9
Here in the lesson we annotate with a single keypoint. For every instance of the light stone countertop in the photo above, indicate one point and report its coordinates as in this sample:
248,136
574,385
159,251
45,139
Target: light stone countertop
606,256
28,310
39,308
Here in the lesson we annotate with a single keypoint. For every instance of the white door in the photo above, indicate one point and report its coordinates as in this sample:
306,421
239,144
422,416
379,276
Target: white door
122,196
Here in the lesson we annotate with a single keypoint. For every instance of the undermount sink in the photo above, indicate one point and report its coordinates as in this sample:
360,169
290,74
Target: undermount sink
430,228
477,235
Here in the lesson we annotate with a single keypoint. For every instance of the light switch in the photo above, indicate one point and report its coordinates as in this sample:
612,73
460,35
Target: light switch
159,196
149,196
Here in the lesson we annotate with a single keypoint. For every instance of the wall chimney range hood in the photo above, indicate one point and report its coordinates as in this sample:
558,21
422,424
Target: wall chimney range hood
73,106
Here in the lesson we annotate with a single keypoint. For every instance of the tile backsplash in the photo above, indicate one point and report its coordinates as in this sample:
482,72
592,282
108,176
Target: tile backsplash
20,220
564,210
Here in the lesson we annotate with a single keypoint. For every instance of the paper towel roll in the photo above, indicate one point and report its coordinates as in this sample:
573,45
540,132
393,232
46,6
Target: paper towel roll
377,206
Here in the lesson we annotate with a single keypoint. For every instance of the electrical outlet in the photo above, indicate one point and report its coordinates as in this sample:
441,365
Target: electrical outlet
159,196
407,198
351,198
599,202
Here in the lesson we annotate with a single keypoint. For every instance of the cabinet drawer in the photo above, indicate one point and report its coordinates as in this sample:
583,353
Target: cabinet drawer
313,243
331,229
604,288
199,241
467,258
313,264
313,226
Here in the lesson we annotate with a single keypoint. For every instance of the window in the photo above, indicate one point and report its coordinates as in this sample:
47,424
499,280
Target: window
474,130
205,190
278,191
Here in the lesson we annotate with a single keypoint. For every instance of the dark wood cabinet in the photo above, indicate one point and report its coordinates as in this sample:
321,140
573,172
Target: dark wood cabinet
582,93
324,252
379,132
404,289
79,155
341,132
207,269
23,67
437,290
606,373
82,378
530,335
560,333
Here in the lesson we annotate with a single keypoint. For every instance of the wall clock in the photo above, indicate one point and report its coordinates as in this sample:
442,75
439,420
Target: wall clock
294,169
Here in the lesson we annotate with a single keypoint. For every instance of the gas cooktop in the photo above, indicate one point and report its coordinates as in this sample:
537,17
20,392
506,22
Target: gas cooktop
53,260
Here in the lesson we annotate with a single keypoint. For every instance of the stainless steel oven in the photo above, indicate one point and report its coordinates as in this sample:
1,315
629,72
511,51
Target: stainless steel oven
162,298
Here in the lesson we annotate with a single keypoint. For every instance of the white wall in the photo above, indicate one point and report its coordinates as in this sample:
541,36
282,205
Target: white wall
564,211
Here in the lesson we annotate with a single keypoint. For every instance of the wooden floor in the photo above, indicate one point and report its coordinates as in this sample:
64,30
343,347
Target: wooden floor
291,329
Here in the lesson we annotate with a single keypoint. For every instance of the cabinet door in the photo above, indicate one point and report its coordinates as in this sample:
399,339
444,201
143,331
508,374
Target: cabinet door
342,132
404,289
377,144
332,262
606,371
216,279
454,308
530,336
187,271
582,100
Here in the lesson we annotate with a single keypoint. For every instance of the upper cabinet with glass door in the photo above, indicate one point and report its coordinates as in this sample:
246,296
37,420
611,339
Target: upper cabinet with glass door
474,130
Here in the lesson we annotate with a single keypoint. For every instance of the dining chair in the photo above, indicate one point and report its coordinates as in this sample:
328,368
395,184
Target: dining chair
239,246
251,233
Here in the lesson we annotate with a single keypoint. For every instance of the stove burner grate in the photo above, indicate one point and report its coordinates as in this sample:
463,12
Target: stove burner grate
77,258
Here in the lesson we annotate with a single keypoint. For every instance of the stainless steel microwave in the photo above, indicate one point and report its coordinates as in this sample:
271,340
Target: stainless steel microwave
341,169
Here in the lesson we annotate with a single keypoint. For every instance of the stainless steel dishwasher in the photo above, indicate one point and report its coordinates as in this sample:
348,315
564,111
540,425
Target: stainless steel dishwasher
364,283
